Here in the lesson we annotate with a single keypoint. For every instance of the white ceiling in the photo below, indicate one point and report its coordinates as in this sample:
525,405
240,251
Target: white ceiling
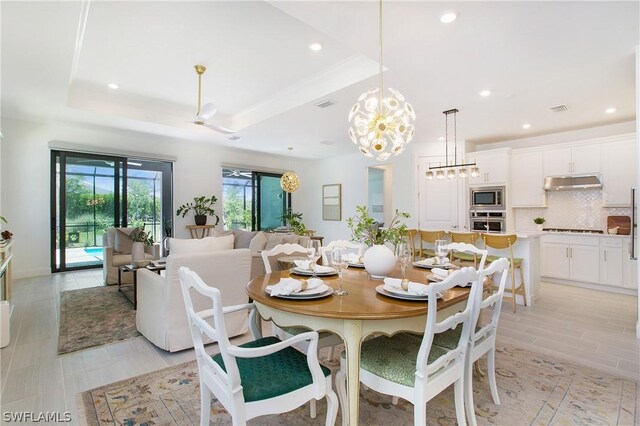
264,79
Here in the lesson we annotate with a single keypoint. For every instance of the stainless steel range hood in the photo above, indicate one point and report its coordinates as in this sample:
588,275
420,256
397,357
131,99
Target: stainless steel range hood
566,183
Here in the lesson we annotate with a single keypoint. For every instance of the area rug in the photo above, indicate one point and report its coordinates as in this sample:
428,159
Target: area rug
534,390
94,316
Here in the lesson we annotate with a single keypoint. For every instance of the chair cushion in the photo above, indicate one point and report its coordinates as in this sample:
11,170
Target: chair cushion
428,252
449,339
295,330
120,259
394,358
466,256
272,375
258,242
517,261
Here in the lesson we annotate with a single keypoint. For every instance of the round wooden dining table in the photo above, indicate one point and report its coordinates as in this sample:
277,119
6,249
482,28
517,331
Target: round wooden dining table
354,316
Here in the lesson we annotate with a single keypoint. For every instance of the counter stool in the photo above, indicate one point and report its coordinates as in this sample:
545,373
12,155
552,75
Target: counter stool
467,238
429,237
504,242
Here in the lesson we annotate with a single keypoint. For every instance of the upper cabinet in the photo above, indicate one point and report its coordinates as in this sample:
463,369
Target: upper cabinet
527,178
619,172
493,165
579,159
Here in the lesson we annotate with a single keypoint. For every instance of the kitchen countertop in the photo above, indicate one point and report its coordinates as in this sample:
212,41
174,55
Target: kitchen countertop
579,234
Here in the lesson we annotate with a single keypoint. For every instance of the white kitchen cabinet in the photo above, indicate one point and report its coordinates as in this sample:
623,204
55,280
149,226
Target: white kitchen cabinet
611,261
569,160
438,199
493,165
527,180
629,267
555,260
584,263
619,172
569,257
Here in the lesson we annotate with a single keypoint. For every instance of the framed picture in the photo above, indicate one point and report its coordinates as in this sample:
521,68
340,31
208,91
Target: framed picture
332,202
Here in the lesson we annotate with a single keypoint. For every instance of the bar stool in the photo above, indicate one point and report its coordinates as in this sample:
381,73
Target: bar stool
429,237
411,236
468,238
507,242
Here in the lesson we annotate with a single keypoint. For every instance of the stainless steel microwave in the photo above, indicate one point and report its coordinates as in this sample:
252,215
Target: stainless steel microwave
488,198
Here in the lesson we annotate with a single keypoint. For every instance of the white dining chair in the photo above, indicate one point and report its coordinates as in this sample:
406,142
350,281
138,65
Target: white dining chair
264,376
483,339
357,247
409,365
462,249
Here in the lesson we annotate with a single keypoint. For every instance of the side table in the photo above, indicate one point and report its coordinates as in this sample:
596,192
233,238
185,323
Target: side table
134,269
205,231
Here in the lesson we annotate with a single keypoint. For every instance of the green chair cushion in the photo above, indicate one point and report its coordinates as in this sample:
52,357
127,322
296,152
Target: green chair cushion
517,261
272,375
428,252
295,330
449,339
394,358
465,256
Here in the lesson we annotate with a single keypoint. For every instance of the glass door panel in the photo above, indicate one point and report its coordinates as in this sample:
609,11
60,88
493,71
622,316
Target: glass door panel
272,201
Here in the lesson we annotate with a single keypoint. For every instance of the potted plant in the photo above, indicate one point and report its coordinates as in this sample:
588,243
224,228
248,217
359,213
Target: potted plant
379,260
140,238
539,221
294,220
202,207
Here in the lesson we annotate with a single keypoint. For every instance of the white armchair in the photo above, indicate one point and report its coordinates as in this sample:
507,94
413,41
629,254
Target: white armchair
161,316
112,260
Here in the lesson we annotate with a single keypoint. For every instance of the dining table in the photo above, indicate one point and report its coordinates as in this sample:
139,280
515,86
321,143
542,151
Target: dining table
353,317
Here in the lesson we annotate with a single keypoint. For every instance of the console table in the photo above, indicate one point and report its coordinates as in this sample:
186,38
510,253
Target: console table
6,254
199,231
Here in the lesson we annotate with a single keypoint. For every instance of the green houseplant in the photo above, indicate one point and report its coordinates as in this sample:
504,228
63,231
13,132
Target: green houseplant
379,260
539,221
294,220
201,207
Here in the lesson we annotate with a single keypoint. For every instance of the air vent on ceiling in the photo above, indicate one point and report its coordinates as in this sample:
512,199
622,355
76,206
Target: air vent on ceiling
559,108
234,138
324,103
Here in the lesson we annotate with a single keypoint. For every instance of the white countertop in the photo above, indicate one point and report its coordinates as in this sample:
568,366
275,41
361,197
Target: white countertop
526,234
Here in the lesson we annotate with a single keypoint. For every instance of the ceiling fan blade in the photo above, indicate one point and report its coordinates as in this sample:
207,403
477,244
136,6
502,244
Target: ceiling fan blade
219,129
207,111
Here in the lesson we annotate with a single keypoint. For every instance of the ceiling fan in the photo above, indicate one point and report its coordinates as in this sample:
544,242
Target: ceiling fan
208,110
235,173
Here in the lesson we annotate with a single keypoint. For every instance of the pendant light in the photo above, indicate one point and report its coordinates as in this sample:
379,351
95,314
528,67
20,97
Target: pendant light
290,181
381,125
452,170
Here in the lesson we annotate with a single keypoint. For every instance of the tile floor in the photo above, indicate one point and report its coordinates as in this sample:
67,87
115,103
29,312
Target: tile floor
586,326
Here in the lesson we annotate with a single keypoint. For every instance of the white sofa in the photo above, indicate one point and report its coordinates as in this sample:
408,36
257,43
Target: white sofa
161,316
112,260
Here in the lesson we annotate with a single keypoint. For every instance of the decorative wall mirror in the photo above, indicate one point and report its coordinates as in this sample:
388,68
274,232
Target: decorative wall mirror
332,202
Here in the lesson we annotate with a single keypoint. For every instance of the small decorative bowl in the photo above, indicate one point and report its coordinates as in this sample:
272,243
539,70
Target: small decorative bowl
141,263
613,231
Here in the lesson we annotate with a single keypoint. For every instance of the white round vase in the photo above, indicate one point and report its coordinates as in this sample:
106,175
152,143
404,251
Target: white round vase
137,251
379,260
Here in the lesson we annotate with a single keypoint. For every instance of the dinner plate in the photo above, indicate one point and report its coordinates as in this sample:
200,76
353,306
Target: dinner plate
307,273
425,266
300,296
406,296
317,290
434,277
356,265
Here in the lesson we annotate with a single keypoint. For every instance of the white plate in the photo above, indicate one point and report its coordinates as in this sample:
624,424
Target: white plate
308,273
356,265
317,290
425,266
300,296
406,296
434,277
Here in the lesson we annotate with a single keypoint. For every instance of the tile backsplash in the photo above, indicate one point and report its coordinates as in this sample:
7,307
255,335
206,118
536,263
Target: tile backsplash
579,209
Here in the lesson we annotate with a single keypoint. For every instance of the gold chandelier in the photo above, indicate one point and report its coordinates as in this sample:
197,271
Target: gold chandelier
290,182
451,170
381,125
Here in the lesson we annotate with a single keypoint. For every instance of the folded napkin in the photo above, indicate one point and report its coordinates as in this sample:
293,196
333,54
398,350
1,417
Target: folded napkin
412,288
440,273
320,269
353,258
430,261
302,264
288,286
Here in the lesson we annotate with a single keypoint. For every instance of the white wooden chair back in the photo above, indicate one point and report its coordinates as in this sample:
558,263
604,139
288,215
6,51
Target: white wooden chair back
340,244
470,248
287,248
500,266
454,357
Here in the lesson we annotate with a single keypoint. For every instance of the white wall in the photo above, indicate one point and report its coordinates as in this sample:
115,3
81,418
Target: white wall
25,196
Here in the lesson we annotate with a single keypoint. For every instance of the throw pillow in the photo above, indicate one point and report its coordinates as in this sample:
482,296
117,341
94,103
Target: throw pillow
220,243
219,233
258,243
243,238
275,239
123,241
180,246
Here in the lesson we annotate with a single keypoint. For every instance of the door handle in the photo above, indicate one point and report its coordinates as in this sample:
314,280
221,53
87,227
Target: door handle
605,255
567,252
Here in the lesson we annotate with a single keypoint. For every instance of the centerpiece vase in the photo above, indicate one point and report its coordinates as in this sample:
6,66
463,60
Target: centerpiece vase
379,260
137,252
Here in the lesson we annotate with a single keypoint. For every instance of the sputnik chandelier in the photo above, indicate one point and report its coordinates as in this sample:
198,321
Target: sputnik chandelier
290,181
455,169
381,125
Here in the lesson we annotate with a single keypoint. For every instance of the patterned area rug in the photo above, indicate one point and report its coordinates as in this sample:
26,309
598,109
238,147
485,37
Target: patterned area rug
94,317
534,389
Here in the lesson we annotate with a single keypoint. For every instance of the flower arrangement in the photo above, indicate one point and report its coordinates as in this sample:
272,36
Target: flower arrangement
365,229
538,220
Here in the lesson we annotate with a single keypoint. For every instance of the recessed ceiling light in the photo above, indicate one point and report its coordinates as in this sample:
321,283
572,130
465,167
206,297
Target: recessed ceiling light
441,138
316,46
526,126
485,93
448,17
610,110
113,86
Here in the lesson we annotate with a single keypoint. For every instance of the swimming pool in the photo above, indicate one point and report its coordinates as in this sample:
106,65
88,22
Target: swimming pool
94,251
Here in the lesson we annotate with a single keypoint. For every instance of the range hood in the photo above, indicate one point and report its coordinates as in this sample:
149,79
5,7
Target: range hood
566,183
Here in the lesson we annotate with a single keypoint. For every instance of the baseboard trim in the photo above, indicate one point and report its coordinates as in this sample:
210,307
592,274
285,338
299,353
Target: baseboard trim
591,286
28,273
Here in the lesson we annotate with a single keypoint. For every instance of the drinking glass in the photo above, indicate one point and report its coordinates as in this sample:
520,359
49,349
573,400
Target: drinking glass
313,254
339,261
442,250
403,256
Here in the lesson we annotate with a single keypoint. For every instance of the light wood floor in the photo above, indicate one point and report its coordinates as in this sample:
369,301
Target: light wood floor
586,326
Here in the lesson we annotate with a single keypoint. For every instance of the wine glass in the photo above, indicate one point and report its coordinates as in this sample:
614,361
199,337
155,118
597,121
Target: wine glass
442,250
403,256
313,254
339,260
